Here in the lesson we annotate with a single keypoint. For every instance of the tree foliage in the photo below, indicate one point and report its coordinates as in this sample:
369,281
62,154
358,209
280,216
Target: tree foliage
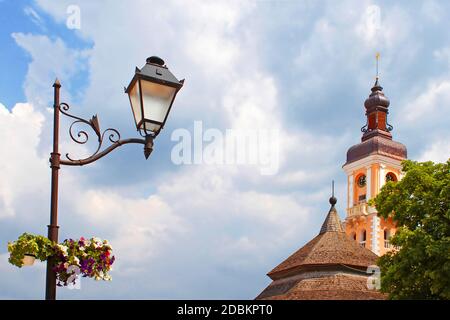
420,205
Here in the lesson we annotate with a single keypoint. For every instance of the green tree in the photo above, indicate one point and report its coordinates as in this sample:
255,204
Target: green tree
420,205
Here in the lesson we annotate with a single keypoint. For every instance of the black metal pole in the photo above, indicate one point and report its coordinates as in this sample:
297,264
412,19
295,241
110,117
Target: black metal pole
50,289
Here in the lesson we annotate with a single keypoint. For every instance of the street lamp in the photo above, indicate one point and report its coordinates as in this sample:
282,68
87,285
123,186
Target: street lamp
152,92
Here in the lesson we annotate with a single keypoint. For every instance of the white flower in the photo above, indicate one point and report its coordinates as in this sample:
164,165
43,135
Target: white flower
66,265
63,248
76,260
95,239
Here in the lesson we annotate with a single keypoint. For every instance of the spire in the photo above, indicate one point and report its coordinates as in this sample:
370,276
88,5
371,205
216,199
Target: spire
377,87
377,57
332,200
332,222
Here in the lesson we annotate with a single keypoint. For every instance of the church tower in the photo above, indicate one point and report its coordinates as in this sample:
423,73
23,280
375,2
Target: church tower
369,165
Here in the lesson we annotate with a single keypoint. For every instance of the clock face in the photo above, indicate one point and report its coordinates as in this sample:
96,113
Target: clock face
362,181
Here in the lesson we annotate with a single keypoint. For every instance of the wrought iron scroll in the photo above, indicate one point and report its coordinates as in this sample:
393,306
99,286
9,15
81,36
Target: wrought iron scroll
364,129
389,127
81,137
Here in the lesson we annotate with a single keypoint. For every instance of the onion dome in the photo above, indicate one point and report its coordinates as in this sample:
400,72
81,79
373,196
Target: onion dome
376,98
377,137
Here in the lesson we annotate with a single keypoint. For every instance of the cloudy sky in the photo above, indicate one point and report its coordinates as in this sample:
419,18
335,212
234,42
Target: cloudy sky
206,231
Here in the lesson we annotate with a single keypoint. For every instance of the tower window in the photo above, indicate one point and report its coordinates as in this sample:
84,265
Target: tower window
391,177
362,238
387,236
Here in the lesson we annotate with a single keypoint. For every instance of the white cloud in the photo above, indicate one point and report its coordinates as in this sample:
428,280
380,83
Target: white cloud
50,59
431,106
139,225
438,151
443,54
189,208
199,218
432,10
343,42
34,17
194,205
20,164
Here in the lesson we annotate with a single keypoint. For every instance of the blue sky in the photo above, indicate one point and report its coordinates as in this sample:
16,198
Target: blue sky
303,68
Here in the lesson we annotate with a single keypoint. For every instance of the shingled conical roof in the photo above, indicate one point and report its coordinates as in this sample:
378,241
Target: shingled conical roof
332,221
330,247
329,267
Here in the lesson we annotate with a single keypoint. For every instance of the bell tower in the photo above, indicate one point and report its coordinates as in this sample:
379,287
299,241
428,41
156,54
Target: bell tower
370,164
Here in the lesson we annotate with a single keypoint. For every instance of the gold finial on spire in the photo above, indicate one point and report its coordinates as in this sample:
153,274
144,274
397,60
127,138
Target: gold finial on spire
377,57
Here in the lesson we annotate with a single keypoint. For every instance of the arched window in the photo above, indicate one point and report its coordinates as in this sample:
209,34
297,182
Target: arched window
353,236
390,176
387,236
362,238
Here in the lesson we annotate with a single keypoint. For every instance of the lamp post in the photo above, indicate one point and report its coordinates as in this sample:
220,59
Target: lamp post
151,92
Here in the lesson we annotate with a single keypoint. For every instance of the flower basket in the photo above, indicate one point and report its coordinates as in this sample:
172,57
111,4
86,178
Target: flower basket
28,259
28,246
90,258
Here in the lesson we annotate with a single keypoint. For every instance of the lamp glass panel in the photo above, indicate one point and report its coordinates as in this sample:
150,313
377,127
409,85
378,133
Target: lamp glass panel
157,99
149,126
135,99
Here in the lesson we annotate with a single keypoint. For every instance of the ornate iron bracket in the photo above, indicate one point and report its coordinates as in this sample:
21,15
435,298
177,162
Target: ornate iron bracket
389,127
81,137
364,128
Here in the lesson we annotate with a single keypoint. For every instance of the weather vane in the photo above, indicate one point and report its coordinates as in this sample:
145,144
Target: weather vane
377,57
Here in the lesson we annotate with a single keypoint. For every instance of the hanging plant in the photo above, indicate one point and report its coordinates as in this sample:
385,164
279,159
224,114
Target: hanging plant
86,257
28,245
92,257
